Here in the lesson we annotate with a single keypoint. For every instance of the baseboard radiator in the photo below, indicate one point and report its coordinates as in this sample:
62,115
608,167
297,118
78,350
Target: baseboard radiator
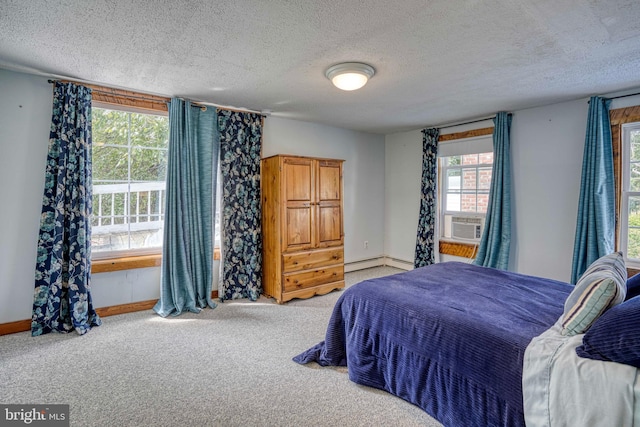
25,325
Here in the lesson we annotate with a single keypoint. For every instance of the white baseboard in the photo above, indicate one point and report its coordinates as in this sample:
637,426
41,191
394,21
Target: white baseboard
362,264
398,263
377,262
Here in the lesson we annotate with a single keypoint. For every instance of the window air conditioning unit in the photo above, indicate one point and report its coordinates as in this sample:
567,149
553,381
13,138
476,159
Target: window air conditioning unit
466,228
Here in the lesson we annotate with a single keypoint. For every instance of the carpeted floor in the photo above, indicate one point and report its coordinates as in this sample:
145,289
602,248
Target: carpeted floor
230,366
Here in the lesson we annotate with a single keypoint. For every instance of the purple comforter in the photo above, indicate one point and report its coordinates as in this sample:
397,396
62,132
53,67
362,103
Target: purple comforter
449,338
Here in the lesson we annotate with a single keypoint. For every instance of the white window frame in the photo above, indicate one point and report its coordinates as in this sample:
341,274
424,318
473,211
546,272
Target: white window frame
445,189
217,209
102,255
461,147
627,128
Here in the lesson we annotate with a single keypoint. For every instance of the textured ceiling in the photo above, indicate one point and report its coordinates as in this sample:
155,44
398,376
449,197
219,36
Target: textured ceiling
437,61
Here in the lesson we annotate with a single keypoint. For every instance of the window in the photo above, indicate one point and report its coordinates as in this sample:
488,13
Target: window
217,206
630,209
467,180
465,168
129,170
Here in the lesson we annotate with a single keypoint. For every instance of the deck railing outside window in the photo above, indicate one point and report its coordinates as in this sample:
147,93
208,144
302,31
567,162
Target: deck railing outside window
130,216
127,216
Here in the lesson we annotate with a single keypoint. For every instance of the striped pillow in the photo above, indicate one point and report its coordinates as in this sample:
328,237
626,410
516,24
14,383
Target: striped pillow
603,285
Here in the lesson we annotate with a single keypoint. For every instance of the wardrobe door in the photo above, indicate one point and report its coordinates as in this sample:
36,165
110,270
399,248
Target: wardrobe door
298,199
329,227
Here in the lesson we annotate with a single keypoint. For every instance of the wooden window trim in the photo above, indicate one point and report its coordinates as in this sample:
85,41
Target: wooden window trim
125,98
445,247
617,118
119,99
131,262
466,134
464,250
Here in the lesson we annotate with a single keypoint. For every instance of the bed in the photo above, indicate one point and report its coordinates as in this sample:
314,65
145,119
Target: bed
452,338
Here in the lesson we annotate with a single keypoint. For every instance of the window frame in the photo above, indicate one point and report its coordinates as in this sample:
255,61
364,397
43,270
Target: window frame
477,191
131,256
105,97
448,246
474,142
618,117
625,190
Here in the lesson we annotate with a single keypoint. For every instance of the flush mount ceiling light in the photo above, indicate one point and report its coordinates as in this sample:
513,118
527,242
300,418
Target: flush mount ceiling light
350,75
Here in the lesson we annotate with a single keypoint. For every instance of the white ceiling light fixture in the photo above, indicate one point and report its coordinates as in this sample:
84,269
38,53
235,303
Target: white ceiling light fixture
350,75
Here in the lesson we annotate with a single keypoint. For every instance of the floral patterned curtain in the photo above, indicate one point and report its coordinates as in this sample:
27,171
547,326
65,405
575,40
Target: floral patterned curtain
62,298
425,241
240,147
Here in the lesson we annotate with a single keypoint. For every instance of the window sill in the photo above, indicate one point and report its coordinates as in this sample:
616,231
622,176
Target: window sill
456,248
633,267
129,263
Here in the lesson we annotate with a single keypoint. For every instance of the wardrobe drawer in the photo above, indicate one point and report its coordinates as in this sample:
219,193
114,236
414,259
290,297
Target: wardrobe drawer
318,276
312,259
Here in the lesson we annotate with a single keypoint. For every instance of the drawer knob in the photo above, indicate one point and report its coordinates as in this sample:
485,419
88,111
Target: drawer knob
295,262
336,257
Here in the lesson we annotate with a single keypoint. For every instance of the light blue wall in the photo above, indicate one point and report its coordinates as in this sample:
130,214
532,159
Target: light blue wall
25,117
403,174
546,154
382,187
546,149
363,153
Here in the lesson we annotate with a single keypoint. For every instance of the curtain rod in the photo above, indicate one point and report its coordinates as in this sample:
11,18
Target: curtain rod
195,104
106,92
463,123
624,96
239,110
492,117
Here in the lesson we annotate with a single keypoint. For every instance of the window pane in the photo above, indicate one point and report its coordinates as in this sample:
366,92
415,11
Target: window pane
633,243
109,241
469,179
634,144
453,161
110,164
101,209
148,165
466,187
634,211
453,179
109,127
470,159
633,234
468,202
149,130
486,158
484,181
118,211
129,180
634,177
453,202
483,202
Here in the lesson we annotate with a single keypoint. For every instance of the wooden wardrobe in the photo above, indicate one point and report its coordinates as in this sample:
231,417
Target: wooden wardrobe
302,227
